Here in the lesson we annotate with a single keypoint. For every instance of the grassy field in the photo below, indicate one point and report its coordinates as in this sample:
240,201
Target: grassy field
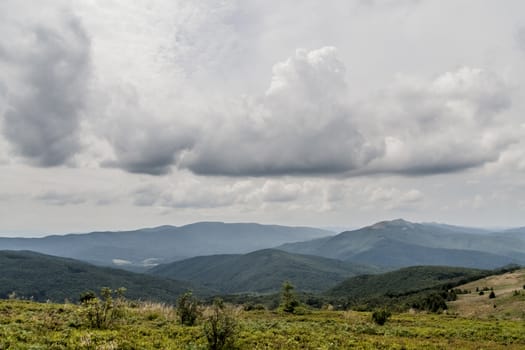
509,301
30,325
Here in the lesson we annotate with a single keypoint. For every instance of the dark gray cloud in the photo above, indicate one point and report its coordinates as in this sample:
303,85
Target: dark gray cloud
50,68
148,148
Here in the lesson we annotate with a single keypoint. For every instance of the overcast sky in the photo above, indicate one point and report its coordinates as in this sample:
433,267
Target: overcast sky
125,114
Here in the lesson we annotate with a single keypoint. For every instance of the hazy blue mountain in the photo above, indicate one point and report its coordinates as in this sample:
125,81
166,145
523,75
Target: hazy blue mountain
396,254
44,277
262,271
518,232
401,243
461,229
140,249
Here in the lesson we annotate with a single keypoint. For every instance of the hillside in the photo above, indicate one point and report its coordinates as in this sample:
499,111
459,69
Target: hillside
43,277
509,303
402,281
140,249
261,271
387,243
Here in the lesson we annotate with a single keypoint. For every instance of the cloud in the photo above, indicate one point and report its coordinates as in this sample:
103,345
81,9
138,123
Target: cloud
175,109
520,37
449,124
48,69
61,198
304,125
300,126
190,193
142,141
392,198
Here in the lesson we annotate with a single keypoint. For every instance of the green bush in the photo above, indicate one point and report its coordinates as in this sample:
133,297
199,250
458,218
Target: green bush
187,309
102,312
220,327
381,316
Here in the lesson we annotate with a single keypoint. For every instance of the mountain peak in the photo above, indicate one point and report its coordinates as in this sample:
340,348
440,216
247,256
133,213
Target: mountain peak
391,223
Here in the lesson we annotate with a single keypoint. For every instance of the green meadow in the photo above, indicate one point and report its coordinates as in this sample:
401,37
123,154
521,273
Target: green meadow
31,325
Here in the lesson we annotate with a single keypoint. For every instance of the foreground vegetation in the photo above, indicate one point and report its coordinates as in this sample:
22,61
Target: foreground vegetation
30,325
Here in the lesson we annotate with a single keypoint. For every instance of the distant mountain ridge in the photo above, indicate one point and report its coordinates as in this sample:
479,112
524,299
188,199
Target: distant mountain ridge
386,244
399,243
262,271
140,249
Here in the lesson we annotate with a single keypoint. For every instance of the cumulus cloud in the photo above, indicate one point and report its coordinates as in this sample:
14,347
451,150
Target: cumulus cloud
304,124
449,124
141,141
47,72
300,126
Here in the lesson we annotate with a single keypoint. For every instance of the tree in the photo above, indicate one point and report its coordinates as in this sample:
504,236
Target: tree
187,309
492,295
289,300
220,326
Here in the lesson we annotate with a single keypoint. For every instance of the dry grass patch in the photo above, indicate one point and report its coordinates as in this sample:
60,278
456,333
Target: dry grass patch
509,302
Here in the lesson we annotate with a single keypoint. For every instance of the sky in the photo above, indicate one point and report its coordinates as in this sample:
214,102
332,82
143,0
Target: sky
122,114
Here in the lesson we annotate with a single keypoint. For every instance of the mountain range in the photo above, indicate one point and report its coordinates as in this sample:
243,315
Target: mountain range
252,258
140,249
400,243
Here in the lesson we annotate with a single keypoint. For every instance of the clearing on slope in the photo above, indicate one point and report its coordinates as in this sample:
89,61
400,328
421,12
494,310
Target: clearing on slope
509,301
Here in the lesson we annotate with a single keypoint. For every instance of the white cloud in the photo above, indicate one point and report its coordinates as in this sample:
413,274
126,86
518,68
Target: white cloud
300,126
393,198
449,124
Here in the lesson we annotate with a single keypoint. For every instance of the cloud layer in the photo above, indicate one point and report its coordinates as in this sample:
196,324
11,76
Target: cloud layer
48,69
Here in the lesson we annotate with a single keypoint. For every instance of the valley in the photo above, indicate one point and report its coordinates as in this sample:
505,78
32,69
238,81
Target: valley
434,281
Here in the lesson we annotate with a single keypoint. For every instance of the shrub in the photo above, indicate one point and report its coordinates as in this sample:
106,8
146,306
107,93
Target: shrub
381,316
220,327
187,309
87,295
104,311
492,295
434,302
